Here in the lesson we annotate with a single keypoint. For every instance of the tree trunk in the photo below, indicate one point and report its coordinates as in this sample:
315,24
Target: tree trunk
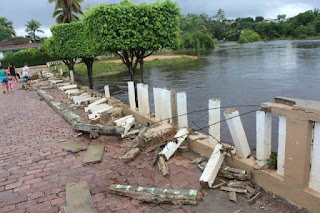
89,64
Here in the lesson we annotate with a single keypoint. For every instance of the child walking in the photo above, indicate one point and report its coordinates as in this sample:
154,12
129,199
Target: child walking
3,79
10,82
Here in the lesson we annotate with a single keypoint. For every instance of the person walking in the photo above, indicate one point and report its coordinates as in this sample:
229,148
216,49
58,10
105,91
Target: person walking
12,71
3,79
10,82
25,75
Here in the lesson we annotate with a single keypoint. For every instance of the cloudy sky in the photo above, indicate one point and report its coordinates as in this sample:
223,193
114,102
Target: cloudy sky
21,11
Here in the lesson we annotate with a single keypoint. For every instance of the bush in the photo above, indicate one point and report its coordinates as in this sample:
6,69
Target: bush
249,36
197,40
305,31
32,57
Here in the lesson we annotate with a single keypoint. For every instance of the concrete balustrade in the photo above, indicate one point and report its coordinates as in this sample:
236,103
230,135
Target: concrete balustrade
106,92
182,110
72,76
132,95
237,133
166,109
157,102
263,134
214,120
143,99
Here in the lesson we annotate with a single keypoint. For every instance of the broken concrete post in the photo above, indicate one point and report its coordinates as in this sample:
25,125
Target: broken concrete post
166,110
94,154
157,102
172,146
237,133
61,71
127,125
123,120
130,155
156,195
182,110
98,107
315,159
281,156
84,99
72,76
163,167
214,120
235,174
68,87
143,99
233,196
97,111
229,189
100,129
263,135
72,92
213,166
106,92
78,198
98,102
132,95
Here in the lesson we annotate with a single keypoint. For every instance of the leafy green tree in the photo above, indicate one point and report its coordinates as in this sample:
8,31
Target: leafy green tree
304,31
281,17
259,19
33,27
249,36
304,18
7,26
67,11
4,33
233,35
133,31
69,43
220,16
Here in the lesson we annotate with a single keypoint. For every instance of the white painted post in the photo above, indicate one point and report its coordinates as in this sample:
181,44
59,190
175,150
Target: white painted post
182,110
132,95
61,71
157,102
107,91
315,159
214,119
237,133
72,76
166,112
143,99
263,131
281,145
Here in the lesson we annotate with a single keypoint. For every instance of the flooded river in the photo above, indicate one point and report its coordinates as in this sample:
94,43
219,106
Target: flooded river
238,75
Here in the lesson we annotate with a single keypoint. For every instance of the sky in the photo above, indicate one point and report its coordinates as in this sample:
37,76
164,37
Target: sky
21,11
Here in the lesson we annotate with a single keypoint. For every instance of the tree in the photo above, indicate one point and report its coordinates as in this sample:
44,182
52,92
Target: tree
249,36
259,19
4,33
220,16
133,31
281,17
7,26
67,11
69,43
33,26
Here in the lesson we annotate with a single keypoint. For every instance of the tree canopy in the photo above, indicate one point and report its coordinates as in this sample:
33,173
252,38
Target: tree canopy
33,27
6,29
133,31
67,11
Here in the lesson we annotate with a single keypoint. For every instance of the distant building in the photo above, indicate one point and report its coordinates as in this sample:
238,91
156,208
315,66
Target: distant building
15,44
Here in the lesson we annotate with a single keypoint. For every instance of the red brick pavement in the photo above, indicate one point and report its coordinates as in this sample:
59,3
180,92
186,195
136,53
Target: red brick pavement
34,170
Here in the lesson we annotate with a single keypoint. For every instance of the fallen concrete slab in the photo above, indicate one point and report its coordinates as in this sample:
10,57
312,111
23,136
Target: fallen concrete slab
96,113
100,129
156,195
84,99
79,199
123,120
74,86
72,91
100,106
96,103
63,84
94,154
74,147
56,81
130,155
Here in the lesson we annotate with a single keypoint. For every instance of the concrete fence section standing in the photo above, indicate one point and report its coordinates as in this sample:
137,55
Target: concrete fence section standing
132,95
214,120
315,159
263,130
182,110
107,92
157,102
72,76
143,99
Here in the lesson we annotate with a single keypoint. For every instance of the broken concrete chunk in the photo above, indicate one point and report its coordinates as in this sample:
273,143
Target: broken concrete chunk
229,189
79,199
233,196
255,198
156,195
100,129
235,174
130,155
74,147
163,166
94,154
238,184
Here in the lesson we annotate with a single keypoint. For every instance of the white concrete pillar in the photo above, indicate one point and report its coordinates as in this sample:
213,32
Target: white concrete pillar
281,145
315,159
132,95
107,91
237,133
157,102
214,119
263,136
61,71
143,99
72,76
182,110
166,113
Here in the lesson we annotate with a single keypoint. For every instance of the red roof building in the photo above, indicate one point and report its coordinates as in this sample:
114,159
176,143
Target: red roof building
15,44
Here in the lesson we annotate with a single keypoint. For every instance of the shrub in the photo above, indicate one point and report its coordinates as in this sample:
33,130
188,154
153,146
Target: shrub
197,40
305,31
249,36
32,57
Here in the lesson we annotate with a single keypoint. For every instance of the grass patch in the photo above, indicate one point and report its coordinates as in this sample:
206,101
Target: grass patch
105,67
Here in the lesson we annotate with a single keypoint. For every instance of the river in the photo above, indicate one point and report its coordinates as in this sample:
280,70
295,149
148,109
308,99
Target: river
237,74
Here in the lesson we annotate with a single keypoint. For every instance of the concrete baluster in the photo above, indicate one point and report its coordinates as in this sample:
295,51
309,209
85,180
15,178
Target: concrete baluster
182,110
214,120
143,99
72,76
157,102
315,159
166,113
237,133
132,95
281,145
107,91
263,136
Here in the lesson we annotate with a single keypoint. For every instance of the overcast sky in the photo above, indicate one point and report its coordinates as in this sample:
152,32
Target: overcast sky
21,11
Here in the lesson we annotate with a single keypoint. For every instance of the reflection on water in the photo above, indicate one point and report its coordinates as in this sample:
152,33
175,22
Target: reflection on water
238,75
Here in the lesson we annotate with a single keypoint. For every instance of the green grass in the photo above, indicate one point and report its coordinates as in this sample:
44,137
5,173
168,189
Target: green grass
105,67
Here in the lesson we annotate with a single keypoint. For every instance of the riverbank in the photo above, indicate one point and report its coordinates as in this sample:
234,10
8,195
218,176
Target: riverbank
113,65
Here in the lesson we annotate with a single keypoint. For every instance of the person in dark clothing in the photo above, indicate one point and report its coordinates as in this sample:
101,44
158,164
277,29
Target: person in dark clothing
12,71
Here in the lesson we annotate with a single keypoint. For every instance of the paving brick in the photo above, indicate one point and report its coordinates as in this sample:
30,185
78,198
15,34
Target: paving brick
13,185
57,202
32,181
18,199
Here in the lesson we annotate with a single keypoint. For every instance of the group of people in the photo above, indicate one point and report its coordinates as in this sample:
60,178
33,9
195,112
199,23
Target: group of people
7,77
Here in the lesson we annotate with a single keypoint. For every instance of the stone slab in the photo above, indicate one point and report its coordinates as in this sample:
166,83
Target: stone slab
79,198
74,147
94,154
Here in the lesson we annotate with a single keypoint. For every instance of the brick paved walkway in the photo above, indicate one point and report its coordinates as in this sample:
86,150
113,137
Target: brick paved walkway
34,170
